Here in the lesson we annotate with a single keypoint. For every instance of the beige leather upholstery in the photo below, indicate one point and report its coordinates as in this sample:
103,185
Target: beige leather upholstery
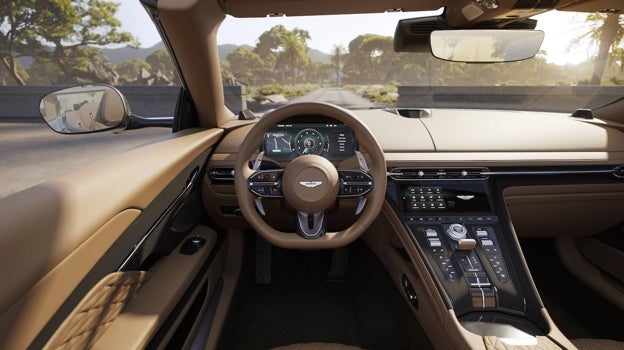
97,310
317,346
597,344
543,343
111,109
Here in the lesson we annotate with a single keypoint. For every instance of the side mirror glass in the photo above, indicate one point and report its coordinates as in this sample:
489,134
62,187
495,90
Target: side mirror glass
485,46
85,109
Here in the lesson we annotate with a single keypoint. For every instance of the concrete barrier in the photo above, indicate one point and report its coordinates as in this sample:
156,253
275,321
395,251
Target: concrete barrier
21,103
535,98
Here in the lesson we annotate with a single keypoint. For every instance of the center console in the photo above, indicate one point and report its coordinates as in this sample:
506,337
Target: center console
465,239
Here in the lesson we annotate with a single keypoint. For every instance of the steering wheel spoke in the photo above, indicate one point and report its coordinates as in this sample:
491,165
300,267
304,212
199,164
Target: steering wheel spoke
311,225
266,183
355,183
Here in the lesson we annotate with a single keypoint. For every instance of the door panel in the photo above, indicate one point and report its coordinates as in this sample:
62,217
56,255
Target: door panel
101,306
168,281
58,239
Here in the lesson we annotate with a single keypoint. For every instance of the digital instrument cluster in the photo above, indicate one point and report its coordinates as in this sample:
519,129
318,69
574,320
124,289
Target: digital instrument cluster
285,142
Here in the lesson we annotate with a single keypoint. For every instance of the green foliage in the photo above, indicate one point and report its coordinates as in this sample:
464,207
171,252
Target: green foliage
299,90
273,89
44,72
381,95
337,63
605,31
282,53
23,23
160,61
288,92
247,66
65,33
369,60
130,70
617,80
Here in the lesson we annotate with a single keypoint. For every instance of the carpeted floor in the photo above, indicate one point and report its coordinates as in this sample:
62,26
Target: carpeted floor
577,310
303,304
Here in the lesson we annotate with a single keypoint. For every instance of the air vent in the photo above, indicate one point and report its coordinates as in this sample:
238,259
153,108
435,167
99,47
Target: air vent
438,174
221,174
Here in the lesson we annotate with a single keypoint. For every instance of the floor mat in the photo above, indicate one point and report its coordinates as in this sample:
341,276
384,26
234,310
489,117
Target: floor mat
577,310
302,304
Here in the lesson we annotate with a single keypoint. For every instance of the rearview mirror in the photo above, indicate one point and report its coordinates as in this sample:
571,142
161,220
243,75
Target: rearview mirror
85,109
485,46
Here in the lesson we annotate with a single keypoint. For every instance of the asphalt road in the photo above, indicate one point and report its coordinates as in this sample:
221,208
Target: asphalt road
338,96
31,153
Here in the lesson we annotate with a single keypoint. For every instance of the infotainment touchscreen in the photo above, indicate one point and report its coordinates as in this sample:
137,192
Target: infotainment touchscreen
444,199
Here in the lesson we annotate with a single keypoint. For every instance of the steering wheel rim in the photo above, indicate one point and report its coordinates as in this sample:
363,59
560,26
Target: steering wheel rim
367,143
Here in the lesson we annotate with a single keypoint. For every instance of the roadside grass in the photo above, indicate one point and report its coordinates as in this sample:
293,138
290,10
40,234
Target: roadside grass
259,93
385,95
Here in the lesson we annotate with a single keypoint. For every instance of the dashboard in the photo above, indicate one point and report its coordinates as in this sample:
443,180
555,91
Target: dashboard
331,140
455,180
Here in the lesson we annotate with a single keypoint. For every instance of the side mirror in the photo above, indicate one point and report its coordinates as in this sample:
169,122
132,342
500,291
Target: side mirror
485,45
85,109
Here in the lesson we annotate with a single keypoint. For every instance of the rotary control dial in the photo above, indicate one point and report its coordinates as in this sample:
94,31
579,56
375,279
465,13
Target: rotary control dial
309,141
456,231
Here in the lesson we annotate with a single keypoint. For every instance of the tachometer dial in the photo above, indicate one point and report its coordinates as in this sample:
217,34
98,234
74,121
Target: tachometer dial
309,141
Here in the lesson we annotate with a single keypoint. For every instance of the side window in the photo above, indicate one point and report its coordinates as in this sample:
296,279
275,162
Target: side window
103,42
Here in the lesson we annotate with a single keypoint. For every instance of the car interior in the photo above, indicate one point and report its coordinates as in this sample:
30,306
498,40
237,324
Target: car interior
316,226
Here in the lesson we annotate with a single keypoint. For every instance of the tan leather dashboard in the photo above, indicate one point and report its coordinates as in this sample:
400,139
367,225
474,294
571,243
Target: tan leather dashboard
458,137
477,138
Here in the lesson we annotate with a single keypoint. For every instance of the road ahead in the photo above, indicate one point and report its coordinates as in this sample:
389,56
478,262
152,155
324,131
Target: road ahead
31,153
338,96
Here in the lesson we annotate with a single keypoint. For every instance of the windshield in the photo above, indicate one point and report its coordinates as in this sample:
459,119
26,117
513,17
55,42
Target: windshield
349,60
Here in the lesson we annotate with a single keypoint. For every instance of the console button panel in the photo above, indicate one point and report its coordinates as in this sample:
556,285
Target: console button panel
466,245
439,252
486,238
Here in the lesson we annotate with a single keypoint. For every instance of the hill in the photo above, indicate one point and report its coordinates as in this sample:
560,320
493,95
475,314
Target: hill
127,53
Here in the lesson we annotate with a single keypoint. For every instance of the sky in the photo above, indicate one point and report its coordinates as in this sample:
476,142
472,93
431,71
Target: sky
340,30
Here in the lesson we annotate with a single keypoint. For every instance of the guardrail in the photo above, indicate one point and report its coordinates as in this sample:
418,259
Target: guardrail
533,98
21,103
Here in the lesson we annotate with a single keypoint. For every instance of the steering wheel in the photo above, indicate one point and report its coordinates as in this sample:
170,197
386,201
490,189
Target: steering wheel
310,184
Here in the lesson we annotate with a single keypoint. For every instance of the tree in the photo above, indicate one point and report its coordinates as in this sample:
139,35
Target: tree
247,66
609,36
607,31
284,51
25,26
160,61
293,56
44,72
77,52
317,73
370,59
337,60
64,32
130,70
